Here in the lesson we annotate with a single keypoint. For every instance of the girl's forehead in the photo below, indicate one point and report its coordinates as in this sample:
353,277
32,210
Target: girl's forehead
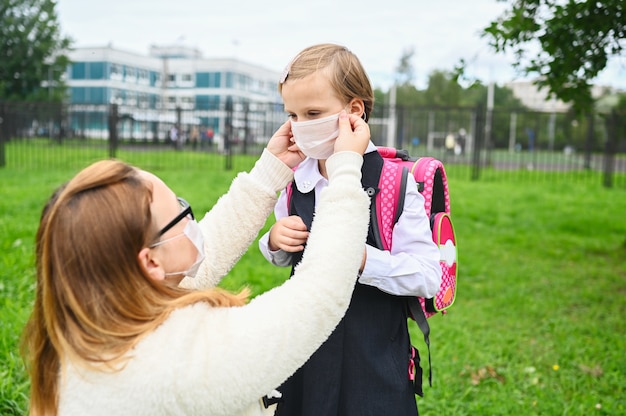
310,82
314,89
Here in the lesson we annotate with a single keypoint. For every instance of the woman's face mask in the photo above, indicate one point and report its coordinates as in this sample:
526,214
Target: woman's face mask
316,138
194,233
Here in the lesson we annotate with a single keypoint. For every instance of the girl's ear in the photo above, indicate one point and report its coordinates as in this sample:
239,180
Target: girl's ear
151,264
356,106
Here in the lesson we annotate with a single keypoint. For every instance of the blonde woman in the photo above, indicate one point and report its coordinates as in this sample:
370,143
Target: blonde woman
116,329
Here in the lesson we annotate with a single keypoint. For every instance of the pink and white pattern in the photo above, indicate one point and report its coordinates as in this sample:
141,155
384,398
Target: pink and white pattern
431,173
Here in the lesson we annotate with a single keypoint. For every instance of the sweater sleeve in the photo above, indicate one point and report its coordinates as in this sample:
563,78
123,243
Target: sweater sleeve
239,354
233,223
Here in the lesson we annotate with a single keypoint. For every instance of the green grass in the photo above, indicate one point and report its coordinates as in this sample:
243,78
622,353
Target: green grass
538,327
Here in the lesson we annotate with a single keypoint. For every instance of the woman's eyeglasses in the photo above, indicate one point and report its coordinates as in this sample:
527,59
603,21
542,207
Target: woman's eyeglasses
185,210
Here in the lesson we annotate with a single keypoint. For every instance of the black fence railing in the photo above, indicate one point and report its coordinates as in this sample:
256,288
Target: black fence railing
473,141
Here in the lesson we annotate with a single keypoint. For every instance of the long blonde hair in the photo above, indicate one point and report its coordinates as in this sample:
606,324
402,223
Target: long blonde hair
94,301
346,74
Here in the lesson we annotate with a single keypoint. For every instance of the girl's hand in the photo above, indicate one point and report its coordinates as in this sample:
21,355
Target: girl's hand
282,146
288,234
354,134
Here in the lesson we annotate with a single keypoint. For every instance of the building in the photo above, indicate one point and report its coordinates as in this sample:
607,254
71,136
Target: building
171,86
537,99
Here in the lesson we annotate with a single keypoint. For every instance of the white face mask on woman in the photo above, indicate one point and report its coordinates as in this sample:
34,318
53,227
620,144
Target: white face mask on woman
316,138
194,233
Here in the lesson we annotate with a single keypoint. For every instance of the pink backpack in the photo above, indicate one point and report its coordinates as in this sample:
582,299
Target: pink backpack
432,183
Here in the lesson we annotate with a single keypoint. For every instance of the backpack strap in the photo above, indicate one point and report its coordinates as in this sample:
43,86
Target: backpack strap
289,189
431,179
389,206
417,312
390,200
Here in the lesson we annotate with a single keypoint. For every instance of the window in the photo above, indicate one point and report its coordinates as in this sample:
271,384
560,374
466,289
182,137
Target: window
88,95
155,101
207,102
116,72
208,79
143,77
78,95
116,97
96,95
217,79
187,103
143,100
95,70
131,74
131,98
202,80
245,82
78,70
155,79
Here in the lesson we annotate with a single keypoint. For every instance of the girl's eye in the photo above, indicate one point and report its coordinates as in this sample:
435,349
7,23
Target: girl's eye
291,116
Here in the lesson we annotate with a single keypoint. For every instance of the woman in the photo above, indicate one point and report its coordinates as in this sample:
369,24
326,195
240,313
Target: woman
114,333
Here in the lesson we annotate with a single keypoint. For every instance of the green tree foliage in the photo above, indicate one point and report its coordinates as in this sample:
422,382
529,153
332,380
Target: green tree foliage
503,97
621,104
409,95
566,43
443,89
405,72
32,51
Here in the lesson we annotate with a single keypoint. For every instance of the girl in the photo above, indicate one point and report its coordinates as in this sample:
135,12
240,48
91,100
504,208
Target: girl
362,369
113,332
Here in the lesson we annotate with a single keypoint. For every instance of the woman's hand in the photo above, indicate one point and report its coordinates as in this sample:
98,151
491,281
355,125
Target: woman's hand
282,146
354,134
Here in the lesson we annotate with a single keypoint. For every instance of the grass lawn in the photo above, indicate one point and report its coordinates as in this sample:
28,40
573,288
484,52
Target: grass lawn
538,327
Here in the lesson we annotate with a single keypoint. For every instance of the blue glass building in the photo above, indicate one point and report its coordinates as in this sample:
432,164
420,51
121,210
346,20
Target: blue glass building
169,85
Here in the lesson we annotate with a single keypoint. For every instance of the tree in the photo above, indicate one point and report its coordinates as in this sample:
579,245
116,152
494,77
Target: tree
32,50
405,71
443,89
565,42
503,97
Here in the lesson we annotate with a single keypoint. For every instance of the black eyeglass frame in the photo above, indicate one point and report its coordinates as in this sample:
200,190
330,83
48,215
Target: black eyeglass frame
186,211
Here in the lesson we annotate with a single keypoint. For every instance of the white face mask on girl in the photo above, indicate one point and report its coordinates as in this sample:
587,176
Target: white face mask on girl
316,138
194,233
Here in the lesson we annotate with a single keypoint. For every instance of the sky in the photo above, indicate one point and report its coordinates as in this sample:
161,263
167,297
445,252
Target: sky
271,32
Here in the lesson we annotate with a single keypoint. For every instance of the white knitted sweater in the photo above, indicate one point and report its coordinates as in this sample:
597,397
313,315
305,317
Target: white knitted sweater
221,361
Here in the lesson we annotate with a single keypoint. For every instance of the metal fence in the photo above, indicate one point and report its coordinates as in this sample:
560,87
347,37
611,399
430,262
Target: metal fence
473,142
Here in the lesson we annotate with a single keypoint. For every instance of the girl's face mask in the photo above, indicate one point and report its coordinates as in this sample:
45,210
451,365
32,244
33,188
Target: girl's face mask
316,138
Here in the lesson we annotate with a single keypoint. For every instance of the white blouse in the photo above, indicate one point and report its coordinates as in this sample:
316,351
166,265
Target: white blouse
411,268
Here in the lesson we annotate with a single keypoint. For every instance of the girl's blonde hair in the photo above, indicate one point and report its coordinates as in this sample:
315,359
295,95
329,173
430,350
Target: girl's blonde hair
346,74
94,301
